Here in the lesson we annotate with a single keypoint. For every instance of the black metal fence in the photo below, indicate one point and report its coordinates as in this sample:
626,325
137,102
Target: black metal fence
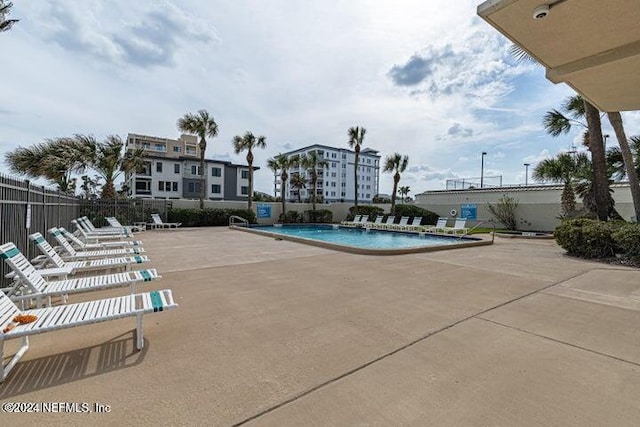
27,208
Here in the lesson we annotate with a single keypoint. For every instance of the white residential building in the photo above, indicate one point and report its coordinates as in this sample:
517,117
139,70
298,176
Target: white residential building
172,171
336,180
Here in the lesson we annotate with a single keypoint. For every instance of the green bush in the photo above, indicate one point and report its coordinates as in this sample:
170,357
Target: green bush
586,238
319,216
291,217
208,217
370,210
627,239
428,217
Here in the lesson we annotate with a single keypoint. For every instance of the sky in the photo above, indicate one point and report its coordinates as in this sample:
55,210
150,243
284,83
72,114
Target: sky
428,79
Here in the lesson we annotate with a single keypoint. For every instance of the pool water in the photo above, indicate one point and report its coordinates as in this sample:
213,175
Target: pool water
361,238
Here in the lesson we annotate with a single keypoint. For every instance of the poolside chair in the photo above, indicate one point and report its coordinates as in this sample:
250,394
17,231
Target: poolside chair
91,237
114,223
356,220
70,253
404,221
68,316
158,223
377,222
363,220
388,223
91,229
55,260
460,226
40,288
415,224
80,245
439,227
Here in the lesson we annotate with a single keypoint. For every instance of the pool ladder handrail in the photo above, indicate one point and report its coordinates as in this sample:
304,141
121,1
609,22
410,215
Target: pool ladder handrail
493,233
241,222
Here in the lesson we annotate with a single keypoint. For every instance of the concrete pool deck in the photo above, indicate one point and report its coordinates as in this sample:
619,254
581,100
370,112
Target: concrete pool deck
271,332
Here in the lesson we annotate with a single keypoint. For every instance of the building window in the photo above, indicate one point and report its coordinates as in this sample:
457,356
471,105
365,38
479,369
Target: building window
333,184
177,149
343,185
161,147
176,167
245,175
215,188
160,185
343,194
195,170
244,190
333,174
344,166
326,193
194,187
216,172
159,167
333,194
368,196
344,156
334,155
175,186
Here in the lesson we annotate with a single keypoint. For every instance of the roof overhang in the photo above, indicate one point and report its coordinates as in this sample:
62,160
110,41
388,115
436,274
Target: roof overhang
591,45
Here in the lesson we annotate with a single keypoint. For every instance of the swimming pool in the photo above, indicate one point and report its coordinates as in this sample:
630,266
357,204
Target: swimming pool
359,240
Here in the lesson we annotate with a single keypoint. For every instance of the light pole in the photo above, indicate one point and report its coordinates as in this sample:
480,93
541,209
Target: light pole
526,174
604,137
484,153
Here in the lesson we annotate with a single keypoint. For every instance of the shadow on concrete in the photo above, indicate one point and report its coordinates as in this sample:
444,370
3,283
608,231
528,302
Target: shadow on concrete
63,368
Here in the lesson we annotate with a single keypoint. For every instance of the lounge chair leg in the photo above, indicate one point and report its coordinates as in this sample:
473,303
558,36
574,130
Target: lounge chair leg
139,337
4,370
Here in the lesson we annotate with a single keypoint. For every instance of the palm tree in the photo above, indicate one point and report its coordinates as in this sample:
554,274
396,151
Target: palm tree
395,163
248,142
203,125
55,160
111,162
563,168
616,162
557,123
404,192
5,9
273,166
616,122
313,161
282,163
356,138
298,182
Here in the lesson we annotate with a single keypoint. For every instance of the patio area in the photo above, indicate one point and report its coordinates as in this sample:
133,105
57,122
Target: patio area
276,333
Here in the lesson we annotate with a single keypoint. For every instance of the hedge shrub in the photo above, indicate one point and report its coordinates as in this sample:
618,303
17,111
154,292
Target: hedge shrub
586,238
370,210
428,217
318,216
627,239
208,217
291,217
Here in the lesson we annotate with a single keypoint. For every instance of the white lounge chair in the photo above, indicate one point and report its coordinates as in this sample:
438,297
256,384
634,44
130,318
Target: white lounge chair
83,246
50,319
114,223
389,222
363,220
158,223
40,288
415,224
439,227
70,253
93,237
404,221
460,227
91,229
84,265
356,220
377,222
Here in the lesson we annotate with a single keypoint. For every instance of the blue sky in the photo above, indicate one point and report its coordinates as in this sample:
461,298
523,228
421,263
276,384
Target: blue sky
426,78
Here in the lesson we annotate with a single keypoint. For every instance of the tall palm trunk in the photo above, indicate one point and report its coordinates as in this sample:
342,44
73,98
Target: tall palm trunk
314,179
568,198
355,177
596,147
616,121
250,163
283,189
203,147
396,180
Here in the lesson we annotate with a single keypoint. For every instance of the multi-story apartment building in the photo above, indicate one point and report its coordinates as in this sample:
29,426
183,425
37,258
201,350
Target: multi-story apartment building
336,179
172,171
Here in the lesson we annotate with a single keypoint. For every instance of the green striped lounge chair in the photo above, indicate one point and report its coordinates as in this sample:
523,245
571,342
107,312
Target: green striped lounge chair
60,317
80,245
90,237
39,288
53,259
91,229
70,253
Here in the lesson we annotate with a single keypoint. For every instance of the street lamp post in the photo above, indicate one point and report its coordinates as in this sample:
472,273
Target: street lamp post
526,174
484,153
604,137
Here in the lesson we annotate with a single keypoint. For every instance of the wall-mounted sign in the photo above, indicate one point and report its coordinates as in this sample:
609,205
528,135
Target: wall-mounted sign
264,210
469,211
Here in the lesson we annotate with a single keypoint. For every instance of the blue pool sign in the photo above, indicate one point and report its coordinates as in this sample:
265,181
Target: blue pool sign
264,211
469,211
